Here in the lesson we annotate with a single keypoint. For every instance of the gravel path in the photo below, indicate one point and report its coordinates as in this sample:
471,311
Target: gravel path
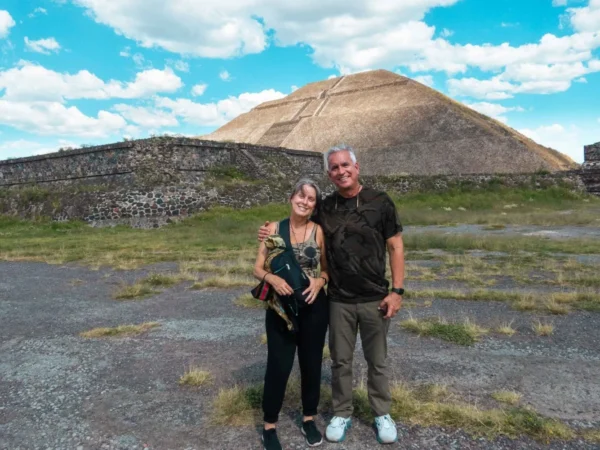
60,391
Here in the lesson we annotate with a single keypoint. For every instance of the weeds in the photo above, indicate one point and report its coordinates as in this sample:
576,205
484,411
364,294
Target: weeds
542,328
466,333
508,397
121,330
137,290
195,376
247,301
506,329
224,282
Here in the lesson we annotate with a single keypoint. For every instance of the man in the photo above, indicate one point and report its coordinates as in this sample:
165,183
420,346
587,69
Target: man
359,224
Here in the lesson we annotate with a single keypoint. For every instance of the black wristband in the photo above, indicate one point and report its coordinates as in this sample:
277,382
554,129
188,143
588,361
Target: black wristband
399,291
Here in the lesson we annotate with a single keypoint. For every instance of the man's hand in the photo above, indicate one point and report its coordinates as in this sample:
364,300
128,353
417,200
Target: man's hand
391,304
316,284
263,232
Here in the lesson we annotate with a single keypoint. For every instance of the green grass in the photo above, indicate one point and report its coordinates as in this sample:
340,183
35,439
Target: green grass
486,206
525,301
465,333
223,231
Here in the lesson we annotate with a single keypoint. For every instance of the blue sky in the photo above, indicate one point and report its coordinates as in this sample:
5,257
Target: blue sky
76,72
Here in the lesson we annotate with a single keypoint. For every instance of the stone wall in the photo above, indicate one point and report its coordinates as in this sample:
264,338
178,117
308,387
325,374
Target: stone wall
591,168
439,183
150,182
157,160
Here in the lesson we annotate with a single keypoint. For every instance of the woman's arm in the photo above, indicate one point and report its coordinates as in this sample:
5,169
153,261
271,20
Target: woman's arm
278,283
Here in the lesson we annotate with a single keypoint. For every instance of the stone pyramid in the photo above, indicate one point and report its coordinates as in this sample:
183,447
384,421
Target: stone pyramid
395,124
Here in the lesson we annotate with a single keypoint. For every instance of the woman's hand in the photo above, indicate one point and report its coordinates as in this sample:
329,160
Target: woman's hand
316,284
279,284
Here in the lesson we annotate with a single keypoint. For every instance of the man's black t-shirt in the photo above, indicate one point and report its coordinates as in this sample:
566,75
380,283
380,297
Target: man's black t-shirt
356,230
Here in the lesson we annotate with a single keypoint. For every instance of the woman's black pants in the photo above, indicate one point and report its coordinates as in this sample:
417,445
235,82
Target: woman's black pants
310,338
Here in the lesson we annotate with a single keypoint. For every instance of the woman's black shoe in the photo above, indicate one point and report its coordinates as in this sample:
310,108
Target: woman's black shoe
312,433
270,440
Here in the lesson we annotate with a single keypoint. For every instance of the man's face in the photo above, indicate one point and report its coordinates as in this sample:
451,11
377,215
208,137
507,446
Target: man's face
342,171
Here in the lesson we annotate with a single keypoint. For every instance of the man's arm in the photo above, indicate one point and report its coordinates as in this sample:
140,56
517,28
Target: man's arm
392,303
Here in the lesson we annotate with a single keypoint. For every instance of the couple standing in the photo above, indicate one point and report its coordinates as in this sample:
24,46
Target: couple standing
348,235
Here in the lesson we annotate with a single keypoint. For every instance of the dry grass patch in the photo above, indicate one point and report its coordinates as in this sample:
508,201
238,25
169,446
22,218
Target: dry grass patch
237,406
506,329
553,307
121,330
224,282
508,397
136,290
412,304
522,301
263,339
542,328
247,301
465,333
76,282
437,408
591,435
161,279
326,352
195,376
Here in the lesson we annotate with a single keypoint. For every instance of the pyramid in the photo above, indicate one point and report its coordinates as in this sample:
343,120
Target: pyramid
396,126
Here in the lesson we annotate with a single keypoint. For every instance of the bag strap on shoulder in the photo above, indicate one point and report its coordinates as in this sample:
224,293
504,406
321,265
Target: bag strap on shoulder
284,232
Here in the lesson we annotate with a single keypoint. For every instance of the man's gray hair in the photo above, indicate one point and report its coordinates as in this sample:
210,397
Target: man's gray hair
335,149
299,187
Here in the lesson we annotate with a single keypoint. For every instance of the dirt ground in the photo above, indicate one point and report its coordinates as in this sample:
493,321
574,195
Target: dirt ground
61,391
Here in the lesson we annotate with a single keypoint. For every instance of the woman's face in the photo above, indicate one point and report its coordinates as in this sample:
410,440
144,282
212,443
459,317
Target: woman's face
304,201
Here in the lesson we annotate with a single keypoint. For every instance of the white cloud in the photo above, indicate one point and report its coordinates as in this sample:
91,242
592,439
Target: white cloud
21,147
586,18
138,60
494,110
524,78
214,29
37,12
427,80
32,82
580,80
180,65
559,2
568,140
126,52
146,117
53,118
45,46
509,24
225,76
293,88
219,113
347,36
446,33
6,23
199,89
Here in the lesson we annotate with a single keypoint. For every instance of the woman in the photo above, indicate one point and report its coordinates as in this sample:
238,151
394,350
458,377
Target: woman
307,241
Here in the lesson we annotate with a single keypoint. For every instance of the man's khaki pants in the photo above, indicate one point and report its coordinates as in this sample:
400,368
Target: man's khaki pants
345,320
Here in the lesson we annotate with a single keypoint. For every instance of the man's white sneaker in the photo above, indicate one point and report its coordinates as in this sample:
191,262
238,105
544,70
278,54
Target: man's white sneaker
336,430
386,429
